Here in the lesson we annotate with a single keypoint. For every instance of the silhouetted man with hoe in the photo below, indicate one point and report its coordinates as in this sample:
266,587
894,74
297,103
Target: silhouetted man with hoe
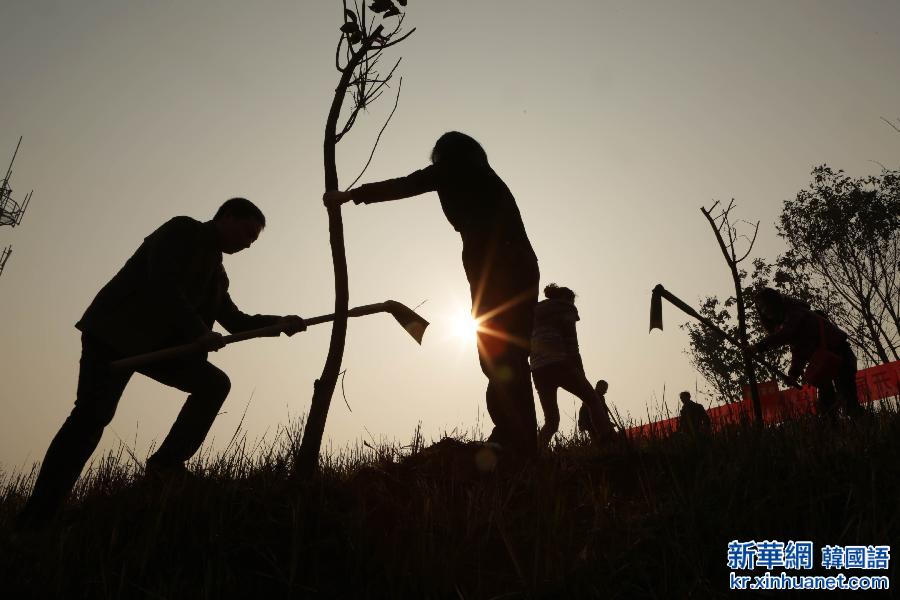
169,292
693,418
499,263
820,351
556,363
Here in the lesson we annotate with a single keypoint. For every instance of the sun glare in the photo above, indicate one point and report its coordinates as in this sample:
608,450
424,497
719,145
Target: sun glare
465,327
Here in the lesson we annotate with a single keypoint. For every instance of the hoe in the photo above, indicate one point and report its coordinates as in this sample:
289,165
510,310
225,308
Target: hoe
406,317
659,292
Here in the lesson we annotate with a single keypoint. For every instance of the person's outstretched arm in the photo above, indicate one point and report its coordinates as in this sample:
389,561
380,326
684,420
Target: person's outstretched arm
234,320
419,182
781,336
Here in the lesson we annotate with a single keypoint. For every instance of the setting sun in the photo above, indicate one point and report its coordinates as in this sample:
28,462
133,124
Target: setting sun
465,327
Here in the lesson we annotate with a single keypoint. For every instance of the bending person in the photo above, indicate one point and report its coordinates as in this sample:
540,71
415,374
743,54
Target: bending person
169,292
790,321
499,263
556,363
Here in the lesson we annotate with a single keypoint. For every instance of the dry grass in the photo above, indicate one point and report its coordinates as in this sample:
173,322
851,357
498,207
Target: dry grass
647,520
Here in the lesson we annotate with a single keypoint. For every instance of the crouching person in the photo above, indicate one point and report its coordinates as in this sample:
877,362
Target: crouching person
605,426
169,292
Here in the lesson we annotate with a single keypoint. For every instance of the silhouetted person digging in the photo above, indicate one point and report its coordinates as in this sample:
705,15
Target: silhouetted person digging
169,292
556,363
499,263
820,351
693,419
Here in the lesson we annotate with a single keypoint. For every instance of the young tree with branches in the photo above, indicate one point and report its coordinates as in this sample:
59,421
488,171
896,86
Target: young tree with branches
728,237
843,258
722,364
364,36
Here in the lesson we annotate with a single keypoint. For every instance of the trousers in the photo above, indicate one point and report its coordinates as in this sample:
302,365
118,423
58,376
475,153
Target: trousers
98,394
843,386
504,294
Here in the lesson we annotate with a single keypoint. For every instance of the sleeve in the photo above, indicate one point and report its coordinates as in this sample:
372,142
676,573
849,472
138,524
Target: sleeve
235,321
419,182
567,329
796,368
169,248
565,322
780,336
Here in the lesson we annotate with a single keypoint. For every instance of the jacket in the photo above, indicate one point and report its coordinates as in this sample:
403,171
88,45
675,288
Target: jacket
171,291
803,330
476,202
554,338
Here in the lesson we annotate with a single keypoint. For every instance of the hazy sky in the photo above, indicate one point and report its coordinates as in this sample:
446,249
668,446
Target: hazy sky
611,122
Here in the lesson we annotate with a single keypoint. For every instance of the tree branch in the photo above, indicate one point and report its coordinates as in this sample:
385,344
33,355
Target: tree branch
395,42
377,139
894,127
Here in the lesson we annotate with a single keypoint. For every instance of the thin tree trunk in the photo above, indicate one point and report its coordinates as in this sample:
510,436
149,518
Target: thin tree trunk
307,458
731,259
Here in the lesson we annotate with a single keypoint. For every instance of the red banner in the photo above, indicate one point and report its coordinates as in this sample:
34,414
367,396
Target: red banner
874,383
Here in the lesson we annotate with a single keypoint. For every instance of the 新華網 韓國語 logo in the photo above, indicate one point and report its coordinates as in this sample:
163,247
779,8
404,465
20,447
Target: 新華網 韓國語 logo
772,559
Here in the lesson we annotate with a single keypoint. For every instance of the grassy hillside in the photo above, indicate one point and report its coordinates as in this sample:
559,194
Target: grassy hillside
647,519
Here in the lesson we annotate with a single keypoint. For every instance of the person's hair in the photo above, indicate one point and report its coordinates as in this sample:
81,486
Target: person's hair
769,297
553,291
601,384
684,396
456,147
770,305
240,208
